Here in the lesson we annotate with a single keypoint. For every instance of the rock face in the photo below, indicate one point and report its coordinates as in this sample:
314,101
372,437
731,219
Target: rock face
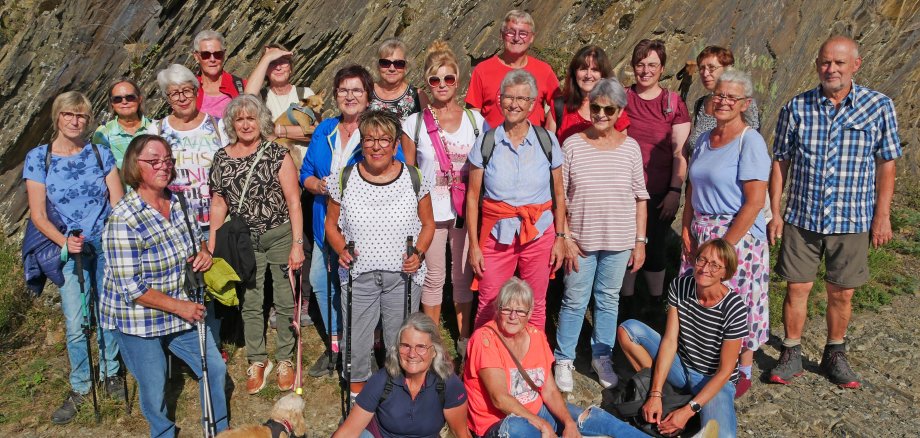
50,46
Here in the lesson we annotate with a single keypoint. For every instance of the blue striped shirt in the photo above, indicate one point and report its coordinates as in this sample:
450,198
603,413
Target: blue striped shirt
833,153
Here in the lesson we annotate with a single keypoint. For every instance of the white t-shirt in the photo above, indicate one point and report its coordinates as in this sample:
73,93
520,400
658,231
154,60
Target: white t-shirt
279,104
458,145
340,156
378,218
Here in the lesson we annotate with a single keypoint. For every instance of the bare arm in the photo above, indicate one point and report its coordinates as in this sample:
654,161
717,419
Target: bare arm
426,216
113,183
884,186
473,191
688,243
652,409
357,420
671,203
778,173
334,235
257,77
408,147
497,388
187,310
315,185
456,421
559,255
556,405
637,258
218,214
754,194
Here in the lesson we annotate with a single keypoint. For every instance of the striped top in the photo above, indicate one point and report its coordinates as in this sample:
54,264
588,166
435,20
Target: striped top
601,189
702,329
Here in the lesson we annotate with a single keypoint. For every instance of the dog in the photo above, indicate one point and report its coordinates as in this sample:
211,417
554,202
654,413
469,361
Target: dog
307,116
286,421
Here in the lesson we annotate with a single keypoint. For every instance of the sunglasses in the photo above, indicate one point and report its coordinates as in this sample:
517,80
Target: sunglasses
387,63
130,98
218,55
448,80
609,111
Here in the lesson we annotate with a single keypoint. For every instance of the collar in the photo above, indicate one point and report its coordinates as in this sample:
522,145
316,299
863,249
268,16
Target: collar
502,137
849,100
115,128
429,380
280,426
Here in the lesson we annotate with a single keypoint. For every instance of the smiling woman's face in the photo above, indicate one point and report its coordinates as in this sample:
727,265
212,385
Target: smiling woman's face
415,351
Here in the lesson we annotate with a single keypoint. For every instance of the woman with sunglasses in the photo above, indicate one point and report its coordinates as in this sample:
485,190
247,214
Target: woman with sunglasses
128,105
218,86
698,352
391,91
726,188
712,62
444,133
606,200
72,185
589,65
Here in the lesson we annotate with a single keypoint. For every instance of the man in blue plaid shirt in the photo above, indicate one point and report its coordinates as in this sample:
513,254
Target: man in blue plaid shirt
836,144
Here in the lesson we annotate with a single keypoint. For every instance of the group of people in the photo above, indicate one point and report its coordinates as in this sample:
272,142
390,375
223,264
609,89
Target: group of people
406,186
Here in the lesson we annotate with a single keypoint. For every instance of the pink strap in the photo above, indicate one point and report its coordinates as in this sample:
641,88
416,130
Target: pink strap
439,151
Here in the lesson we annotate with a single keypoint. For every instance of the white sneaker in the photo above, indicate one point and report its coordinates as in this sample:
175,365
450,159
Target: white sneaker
563,371
604,369
461,347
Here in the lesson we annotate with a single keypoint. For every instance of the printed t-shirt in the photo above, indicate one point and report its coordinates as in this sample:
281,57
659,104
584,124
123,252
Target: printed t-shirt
278,105
651,125
486,81
194,151
404,105
485,350
573,123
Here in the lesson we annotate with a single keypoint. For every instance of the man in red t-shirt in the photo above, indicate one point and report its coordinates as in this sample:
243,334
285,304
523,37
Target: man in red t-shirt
517,33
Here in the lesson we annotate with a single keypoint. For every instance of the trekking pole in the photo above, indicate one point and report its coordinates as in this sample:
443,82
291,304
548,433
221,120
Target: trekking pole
346,388
87,330
407,279
99,338
330,292
194,282
296,287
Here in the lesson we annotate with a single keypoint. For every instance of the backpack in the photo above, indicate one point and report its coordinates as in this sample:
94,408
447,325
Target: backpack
419,123
546,143
625,402
439,385
414,174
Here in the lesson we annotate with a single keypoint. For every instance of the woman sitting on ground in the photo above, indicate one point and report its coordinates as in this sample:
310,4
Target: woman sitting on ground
417,384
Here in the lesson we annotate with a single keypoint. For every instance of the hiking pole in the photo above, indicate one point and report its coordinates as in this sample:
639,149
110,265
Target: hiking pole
194,282
90,250
407,280
87,330
296,287
330,367
346,388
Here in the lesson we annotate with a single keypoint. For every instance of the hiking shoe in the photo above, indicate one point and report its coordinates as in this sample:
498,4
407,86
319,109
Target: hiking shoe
285,375
256,376
68,409
115,387
563,371
788,366
322,366
604,369
835,366
743,385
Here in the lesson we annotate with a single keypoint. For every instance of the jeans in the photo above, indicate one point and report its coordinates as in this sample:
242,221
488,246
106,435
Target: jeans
319,278
72,306
721,408
146,360
597,422
601,272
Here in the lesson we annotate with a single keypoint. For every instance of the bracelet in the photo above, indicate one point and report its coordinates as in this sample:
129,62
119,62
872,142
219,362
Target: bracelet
674,189
654,394
562,235
285,131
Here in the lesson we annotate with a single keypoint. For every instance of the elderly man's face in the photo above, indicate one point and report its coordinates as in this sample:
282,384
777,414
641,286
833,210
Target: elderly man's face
210,57
836,64
517,37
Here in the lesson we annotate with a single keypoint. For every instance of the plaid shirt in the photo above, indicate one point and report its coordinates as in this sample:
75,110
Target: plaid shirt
143,251
833,153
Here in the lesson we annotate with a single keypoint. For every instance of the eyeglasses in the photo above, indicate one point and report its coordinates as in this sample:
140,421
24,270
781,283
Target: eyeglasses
521,313
708,265
188,93
383,142
608,110
218,55
68,117
511,33
726,99
647,67
283,62
710,68
520,100
387,63
447,80
342,92
130,98
166,163
419,349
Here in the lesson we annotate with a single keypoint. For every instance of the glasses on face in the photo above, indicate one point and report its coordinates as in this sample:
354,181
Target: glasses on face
69,117
709,68
647,67
727,99
420,349
708,265
188,93
158,164
520,100
511,34
343,92
447,80
521,313
609,111
387,63
279,63
130,98
218,55
383,142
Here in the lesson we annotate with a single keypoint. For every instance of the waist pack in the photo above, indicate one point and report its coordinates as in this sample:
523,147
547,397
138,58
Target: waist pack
625,402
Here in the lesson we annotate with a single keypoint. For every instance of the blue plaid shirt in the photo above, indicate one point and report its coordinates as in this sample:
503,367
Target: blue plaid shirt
833,153
144,251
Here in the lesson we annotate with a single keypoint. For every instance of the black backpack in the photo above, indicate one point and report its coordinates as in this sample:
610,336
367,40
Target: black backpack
625,402
546,143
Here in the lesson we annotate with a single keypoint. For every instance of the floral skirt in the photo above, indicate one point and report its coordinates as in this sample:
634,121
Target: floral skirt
752,279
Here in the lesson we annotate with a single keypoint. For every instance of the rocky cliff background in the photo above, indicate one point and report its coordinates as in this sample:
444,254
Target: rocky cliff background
50,46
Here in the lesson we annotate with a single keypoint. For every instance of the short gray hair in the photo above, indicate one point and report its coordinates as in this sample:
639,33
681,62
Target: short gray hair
519,77
252,105
440,362
518,16
612,90
176,74
513,290
737,77
208,34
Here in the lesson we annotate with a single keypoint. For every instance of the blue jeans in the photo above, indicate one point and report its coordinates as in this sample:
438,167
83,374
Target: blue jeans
721,408
597,422
146,360
319,281
601,272
72,306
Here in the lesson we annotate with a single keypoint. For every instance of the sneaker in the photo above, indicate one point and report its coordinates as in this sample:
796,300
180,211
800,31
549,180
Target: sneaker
305,319
835,366
322,365
461,347
743,385
285,375
115,387
789,365
224,355
256,374
563,371
68,409
604,369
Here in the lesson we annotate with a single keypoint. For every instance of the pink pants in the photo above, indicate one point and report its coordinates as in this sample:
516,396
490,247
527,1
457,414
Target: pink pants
500,261
461,275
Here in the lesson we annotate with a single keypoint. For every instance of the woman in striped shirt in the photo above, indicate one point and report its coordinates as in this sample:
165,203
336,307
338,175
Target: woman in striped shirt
605,230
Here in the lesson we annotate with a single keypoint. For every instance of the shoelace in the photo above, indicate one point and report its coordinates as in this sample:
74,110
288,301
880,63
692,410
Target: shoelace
838,359
786,356
252,369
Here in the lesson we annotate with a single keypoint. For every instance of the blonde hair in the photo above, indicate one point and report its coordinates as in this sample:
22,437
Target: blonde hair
253,106
389,45
74,101
440,55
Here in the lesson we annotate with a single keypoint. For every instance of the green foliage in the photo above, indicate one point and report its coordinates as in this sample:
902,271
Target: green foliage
14,301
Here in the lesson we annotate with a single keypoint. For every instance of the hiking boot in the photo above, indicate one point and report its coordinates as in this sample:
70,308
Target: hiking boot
788,366
285,375
743,385
256,376
68,409
322,366
604,369
835,366
563,371
115,387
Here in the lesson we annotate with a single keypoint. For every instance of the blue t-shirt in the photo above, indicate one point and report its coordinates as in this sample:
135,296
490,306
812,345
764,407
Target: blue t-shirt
718,175
401,416
75,186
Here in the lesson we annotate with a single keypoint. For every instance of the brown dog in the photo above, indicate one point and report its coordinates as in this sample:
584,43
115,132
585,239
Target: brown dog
287,416
301,117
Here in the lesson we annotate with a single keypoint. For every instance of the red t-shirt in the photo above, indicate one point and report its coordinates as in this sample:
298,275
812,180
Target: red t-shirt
651,125
487,79
573,123
486,351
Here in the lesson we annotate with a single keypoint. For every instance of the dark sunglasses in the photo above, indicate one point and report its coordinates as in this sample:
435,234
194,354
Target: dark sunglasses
449,80
218,55
386,63
608,110
130,98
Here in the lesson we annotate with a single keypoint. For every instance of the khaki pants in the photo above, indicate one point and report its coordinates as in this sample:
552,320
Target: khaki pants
272,250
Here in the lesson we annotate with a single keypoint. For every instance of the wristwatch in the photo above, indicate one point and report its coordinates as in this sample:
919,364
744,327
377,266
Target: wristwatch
642,239
299,241
562,235
694,406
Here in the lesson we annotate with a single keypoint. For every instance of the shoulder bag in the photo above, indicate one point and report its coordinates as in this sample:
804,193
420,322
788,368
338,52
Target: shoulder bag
233,242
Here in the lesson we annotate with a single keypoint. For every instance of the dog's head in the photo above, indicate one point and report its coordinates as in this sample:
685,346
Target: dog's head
290,409
314,102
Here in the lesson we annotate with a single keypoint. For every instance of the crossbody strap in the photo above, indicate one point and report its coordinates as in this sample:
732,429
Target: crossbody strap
516,362
252,168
